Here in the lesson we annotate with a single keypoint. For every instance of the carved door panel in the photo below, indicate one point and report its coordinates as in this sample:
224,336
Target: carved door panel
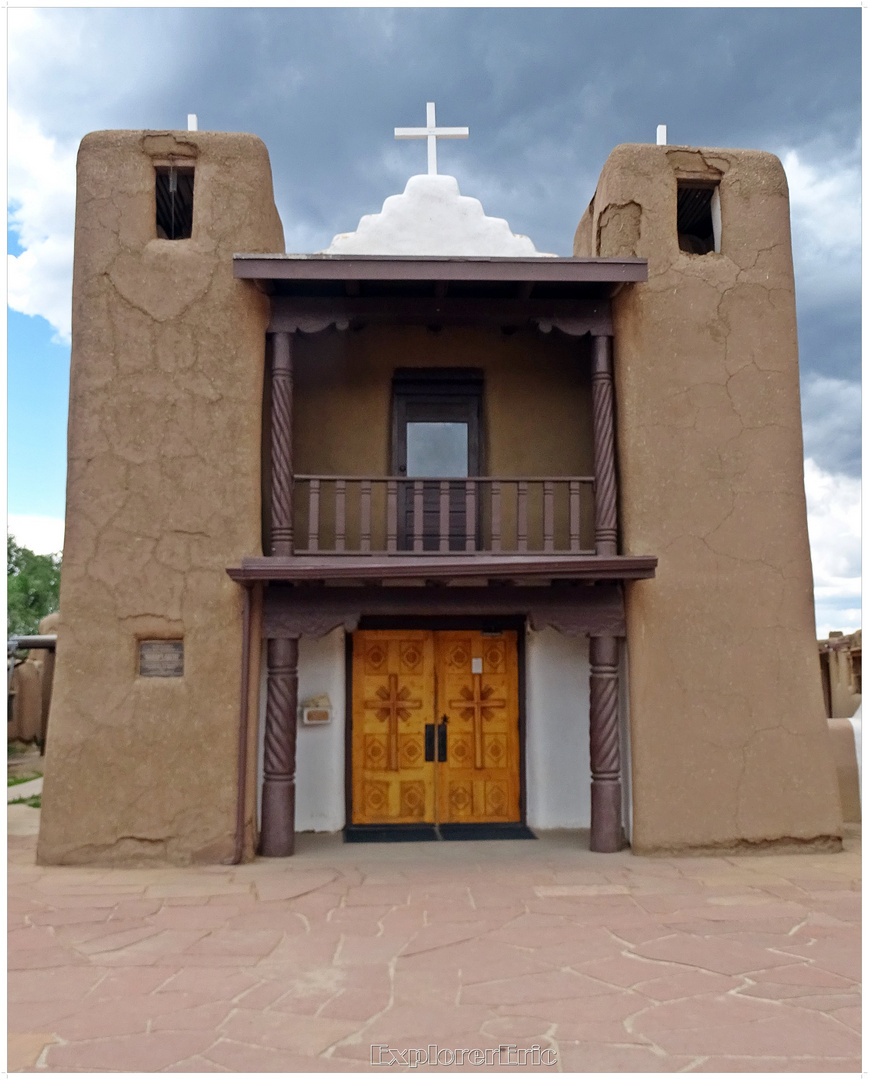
478,705
393,701
435,727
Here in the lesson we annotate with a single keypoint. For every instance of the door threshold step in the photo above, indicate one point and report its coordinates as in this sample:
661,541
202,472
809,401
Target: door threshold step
392,834
487,830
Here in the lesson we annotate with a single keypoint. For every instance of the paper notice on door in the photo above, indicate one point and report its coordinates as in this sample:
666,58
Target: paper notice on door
477,665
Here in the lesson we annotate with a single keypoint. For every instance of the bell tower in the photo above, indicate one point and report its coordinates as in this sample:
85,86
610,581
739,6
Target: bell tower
163,491
728,736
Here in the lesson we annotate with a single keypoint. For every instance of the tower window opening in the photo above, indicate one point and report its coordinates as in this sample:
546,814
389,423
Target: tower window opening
174,192
698,217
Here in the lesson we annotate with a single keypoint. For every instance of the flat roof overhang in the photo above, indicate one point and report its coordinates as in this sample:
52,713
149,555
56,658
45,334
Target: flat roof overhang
378,569
277,268
311,291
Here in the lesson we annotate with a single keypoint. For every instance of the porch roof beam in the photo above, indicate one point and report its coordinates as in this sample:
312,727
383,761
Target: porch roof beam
290,313
308,568
305,610
298,268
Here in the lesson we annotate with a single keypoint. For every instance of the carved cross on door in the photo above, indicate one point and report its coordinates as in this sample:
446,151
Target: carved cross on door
393,704
477,704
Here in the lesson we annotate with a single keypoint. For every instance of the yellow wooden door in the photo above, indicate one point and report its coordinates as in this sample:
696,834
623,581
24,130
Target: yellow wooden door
393,700
478,701
462,682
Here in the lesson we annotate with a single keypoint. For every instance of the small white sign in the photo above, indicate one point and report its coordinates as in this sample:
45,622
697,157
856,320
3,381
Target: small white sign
477,665
316,710
314,715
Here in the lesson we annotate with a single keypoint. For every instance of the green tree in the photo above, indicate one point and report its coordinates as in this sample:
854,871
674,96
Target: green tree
33,587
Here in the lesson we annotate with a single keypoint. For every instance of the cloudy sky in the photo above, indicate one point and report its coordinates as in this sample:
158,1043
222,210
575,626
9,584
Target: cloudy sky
546,94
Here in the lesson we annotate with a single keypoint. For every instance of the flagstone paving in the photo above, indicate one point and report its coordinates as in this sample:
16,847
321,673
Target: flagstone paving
614,963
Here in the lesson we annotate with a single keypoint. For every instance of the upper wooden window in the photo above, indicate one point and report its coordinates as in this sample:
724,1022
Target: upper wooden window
436,420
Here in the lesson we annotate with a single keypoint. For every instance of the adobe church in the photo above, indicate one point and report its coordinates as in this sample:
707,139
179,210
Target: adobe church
431,536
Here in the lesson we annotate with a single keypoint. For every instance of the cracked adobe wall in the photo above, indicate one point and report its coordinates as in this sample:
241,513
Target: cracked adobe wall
162,493
728,737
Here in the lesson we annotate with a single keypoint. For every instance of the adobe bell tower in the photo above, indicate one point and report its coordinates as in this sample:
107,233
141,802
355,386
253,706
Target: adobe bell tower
729,745
163,490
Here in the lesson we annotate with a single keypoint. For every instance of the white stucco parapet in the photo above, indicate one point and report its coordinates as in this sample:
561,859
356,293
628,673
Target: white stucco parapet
432,218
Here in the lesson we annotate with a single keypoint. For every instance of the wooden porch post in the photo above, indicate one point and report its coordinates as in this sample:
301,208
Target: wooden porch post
605,492
282,444
278,833
606,784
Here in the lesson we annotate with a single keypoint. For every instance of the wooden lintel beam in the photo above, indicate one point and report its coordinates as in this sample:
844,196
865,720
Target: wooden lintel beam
292,610
383,568
573,316
430,268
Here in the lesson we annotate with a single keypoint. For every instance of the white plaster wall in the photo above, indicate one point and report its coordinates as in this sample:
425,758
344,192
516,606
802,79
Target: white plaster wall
432,218
319,750
557,770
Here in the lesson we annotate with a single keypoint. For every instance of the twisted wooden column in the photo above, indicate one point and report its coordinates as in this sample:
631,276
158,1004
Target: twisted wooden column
282,444
606,784
278,825
605,492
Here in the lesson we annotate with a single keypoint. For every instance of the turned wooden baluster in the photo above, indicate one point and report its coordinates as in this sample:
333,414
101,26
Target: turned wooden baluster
444,516
574,515
548,515
470,515
365,516
496,515
522,515
391,515
314,516
340,514
417,515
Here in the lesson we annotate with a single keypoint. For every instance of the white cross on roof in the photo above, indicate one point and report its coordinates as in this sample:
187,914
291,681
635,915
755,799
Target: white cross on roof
431,133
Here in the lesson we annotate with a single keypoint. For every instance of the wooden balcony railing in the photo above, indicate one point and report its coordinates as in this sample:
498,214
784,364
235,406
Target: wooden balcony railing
355,515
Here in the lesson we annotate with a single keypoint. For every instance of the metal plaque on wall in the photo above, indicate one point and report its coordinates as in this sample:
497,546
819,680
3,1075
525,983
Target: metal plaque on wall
161,659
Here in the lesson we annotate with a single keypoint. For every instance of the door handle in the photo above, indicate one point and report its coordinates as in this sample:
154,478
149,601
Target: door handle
442,741
429,742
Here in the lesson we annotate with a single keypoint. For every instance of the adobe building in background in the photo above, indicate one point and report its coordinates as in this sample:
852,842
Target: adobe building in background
841,657
430,535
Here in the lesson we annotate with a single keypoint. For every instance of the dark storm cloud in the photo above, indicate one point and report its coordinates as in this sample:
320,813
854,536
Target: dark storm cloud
546,93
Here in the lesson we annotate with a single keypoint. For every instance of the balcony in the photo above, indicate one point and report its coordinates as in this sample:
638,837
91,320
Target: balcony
391,528
482,530
431,516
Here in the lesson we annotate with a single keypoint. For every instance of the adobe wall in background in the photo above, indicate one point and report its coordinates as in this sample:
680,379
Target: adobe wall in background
536,396
841,657
162,494
729,746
